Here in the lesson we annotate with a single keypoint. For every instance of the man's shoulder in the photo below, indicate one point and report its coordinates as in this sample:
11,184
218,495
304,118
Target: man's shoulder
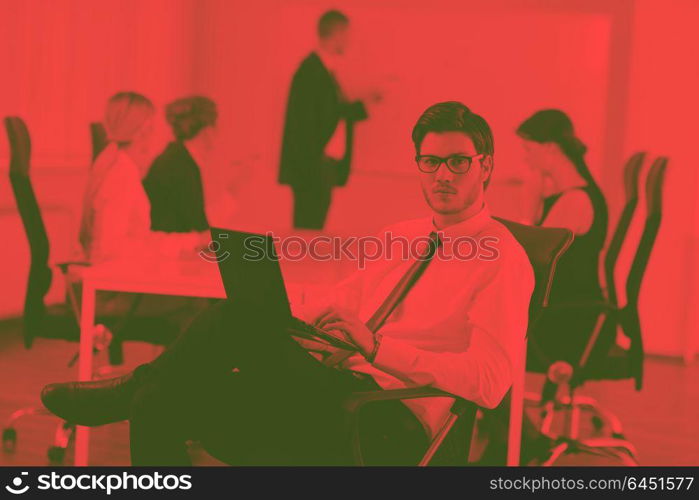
496,228
310,64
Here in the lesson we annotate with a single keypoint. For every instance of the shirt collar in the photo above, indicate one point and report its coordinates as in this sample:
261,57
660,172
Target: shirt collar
326,59
470,226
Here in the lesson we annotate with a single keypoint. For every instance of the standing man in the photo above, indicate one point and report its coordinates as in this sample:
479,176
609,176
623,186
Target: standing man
318,129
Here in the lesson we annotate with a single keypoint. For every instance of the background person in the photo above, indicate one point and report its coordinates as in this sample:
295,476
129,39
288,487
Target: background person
116,229
174,180
318,128
572,199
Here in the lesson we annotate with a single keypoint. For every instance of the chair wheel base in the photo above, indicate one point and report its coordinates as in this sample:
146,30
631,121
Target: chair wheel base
9,439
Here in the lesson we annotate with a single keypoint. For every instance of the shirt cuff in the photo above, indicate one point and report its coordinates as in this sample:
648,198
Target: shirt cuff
394,356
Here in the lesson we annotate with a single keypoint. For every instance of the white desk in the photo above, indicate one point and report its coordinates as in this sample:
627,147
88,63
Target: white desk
195,278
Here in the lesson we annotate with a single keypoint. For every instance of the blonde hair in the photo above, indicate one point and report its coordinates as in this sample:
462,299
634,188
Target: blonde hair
124,118
126,114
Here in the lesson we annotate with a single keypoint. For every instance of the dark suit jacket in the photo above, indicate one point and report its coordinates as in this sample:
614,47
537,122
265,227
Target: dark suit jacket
314,108
175,190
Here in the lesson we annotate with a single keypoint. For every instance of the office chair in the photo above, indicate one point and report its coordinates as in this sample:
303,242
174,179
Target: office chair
98,135
39,320
602,357
59,321
631,174
451,445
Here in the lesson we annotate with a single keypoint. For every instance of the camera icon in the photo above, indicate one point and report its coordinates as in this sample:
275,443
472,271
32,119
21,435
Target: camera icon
211,252
16,487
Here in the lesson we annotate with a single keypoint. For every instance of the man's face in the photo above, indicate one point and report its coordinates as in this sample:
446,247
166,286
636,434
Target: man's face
339,40
448,193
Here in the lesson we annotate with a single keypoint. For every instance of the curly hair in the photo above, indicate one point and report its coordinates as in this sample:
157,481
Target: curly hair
189,115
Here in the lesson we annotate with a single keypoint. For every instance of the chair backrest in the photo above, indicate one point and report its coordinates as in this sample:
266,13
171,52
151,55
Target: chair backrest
632,171
654,210
654,201
544,246
39,280
98,134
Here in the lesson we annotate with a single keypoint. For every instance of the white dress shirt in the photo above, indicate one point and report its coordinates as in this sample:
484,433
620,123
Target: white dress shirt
459,328
121,219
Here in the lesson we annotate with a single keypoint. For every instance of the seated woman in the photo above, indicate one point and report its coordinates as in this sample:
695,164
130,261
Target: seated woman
116,224
174,183
566,196
116,213
573,201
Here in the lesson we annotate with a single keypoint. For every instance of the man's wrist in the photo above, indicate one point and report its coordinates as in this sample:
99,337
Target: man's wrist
371,356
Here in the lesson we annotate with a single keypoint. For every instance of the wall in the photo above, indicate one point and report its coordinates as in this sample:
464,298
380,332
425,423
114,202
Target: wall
663,106
606,63
61,60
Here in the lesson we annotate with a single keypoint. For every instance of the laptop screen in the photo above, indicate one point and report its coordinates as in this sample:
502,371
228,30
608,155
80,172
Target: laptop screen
250,270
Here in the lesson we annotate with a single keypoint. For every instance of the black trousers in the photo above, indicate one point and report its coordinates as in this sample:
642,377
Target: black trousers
237,382
311,205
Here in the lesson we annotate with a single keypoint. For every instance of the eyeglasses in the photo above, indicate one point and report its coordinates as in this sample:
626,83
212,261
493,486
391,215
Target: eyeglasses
458,164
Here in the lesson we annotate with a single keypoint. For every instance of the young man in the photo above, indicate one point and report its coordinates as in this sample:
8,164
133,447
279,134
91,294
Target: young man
239,383
318,115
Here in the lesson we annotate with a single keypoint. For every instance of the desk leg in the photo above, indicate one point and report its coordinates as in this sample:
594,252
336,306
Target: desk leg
514,438
87,326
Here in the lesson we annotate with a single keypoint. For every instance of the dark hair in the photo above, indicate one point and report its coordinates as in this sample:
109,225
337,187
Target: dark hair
553,125
453,116
329,21
189,115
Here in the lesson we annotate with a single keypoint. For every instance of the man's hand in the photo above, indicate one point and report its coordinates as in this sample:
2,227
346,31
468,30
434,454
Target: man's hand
315,346
338,319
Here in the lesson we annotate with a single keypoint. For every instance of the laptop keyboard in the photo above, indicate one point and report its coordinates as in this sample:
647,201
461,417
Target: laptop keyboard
300,328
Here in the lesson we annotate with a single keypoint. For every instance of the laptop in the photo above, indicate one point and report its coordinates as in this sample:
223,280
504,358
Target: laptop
250,272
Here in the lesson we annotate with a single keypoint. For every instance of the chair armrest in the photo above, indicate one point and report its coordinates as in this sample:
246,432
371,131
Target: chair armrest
354,402
358,399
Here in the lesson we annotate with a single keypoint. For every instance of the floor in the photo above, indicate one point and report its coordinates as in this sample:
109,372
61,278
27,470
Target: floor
661,420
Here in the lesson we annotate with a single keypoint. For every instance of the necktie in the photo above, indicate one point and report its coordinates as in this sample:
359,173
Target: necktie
403,286
397,294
